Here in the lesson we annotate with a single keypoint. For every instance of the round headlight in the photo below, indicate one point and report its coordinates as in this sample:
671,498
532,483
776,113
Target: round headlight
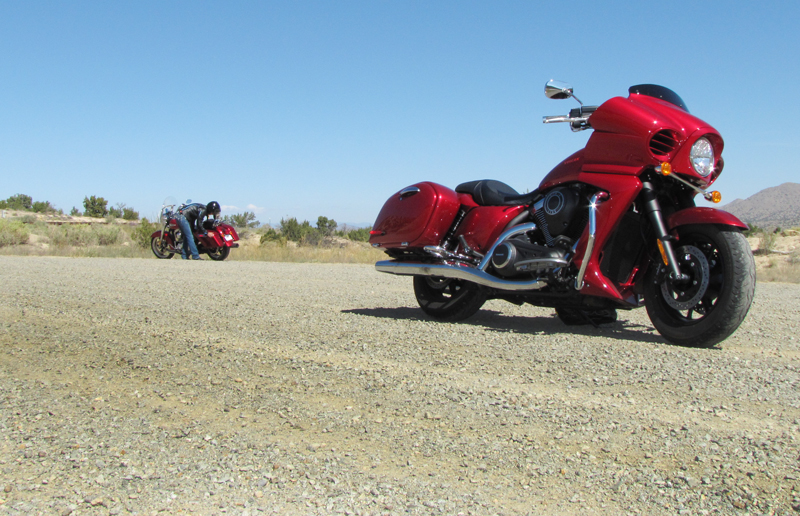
702,156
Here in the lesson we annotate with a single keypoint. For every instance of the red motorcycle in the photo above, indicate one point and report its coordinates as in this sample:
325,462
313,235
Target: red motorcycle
216,243
613,226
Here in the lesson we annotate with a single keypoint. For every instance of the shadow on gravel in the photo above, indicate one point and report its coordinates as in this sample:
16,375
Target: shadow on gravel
496,321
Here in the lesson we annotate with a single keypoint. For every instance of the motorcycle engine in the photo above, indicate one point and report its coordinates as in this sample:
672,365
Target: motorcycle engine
556,212
557,216
515,257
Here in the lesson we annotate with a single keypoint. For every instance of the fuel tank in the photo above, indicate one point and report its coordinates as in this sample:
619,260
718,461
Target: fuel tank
416,216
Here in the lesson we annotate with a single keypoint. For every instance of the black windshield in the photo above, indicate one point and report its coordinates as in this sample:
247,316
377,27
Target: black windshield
659,92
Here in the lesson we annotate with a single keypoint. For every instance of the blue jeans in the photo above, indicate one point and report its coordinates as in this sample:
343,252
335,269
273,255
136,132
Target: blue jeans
188,239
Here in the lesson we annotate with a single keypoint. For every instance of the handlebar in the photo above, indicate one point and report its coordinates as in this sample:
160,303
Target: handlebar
578,117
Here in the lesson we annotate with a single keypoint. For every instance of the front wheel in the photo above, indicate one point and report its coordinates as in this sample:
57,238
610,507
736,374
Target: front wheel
159,247
219,254
448,299
708,307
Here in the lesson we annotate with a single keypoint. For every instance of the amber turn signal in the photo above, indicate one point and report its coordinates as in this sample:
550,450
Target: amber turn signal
716,196
665,168
663,252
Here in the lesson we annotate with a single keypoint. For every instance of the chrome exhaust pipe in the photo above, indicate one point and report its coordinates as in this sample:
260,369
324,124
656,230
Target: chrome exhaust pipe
441,270
464,272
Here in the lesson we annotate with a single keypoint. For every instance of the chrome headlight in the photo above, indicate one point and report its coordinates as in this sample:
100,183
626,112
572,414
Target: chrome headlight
702,157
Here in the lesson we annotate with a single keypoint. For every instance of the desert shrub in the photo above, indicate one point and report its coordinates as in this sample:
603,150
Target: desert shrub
272,236
140,235
766,241
360,234
72,235
13,232
295,231
28,219
242,220
95,206
107,235
325,226
43,207
19,202
75,212
130,214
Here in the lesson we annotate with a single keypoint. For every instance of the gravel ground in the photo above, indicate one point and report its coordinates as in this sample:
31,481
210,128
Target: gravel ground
321,389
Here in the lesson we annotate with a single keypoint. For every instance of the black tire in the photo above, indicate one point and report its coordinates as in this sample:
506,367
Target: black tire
160,251
580,316
448,299
219,254
716,310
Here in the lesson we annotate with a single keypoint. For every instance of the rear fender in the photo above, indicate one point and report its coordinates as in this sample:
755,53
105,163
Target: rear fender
701,215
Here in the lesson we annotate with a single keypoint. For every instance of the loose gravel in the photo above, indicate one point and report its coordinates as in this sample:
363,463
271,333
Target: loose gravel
145,386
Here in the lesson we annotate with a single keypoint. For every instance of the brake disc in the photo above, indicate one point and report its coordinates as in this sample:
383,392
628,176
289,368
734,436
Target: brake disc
686,295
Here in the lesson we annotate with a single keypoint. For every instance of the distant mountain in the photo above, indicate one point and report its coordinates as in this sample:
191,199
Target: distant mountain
771,207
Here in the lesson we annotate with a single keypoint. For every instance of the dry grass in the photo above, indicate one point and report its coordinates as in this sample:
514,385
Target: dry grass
357,253
781,268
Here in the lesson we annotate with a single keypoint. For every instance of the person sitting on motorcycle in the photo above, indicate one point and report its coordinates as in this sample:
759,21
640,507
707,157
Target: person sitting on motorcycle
190,218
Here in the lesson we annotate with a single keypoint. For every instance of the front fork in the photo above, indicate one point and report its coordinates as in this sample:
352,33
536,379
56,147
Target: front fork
653,211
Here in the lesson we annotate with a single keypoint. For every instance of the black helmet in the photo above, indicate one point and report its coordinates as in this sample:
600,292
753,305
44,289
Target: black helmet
212,208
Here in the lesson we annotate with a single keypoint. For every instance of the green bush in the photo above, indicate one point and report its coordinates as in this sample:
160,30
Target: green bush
13,232
83,235
766,242
295,231
107,235
273,236
242,220
141,233
43,207
326,226
95,206
360,234
19,202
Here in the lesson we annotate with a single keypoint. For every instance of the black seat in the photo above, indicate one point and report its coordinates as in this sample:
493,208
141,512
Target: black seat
488,192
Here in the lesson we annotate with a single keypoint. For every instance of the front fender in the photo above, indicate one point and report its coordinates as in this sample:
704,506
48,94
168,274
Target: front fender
701,215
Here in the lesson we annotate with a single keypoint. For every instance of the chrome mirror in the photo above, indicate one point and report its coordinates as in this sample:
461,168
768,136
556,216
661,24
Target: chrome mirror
559,90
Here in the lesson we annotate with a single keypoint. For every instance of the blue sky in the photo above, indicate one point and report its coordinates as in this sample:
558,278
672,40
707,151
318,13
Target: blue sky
309,108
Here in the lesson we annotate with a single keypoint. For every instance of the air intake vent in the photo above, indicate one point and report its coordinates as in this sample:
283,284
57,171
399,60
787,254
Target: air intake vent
663,142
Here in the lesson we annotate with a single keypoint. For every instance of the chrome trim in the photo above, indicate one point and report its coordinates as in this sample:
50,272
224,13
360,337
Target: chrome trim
456,272
441,252
514,231
593,202
548,263
408,192
507,260
563,118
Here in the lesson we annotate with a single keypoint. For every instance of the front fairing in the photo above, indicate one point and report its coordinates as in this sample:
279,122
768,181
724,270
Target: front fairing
637,132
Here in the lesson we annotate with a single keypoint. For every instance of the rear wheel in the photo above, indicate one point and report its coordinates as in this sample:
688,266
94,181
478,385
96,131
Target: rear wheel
219,254
708,307
448,299
159,247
